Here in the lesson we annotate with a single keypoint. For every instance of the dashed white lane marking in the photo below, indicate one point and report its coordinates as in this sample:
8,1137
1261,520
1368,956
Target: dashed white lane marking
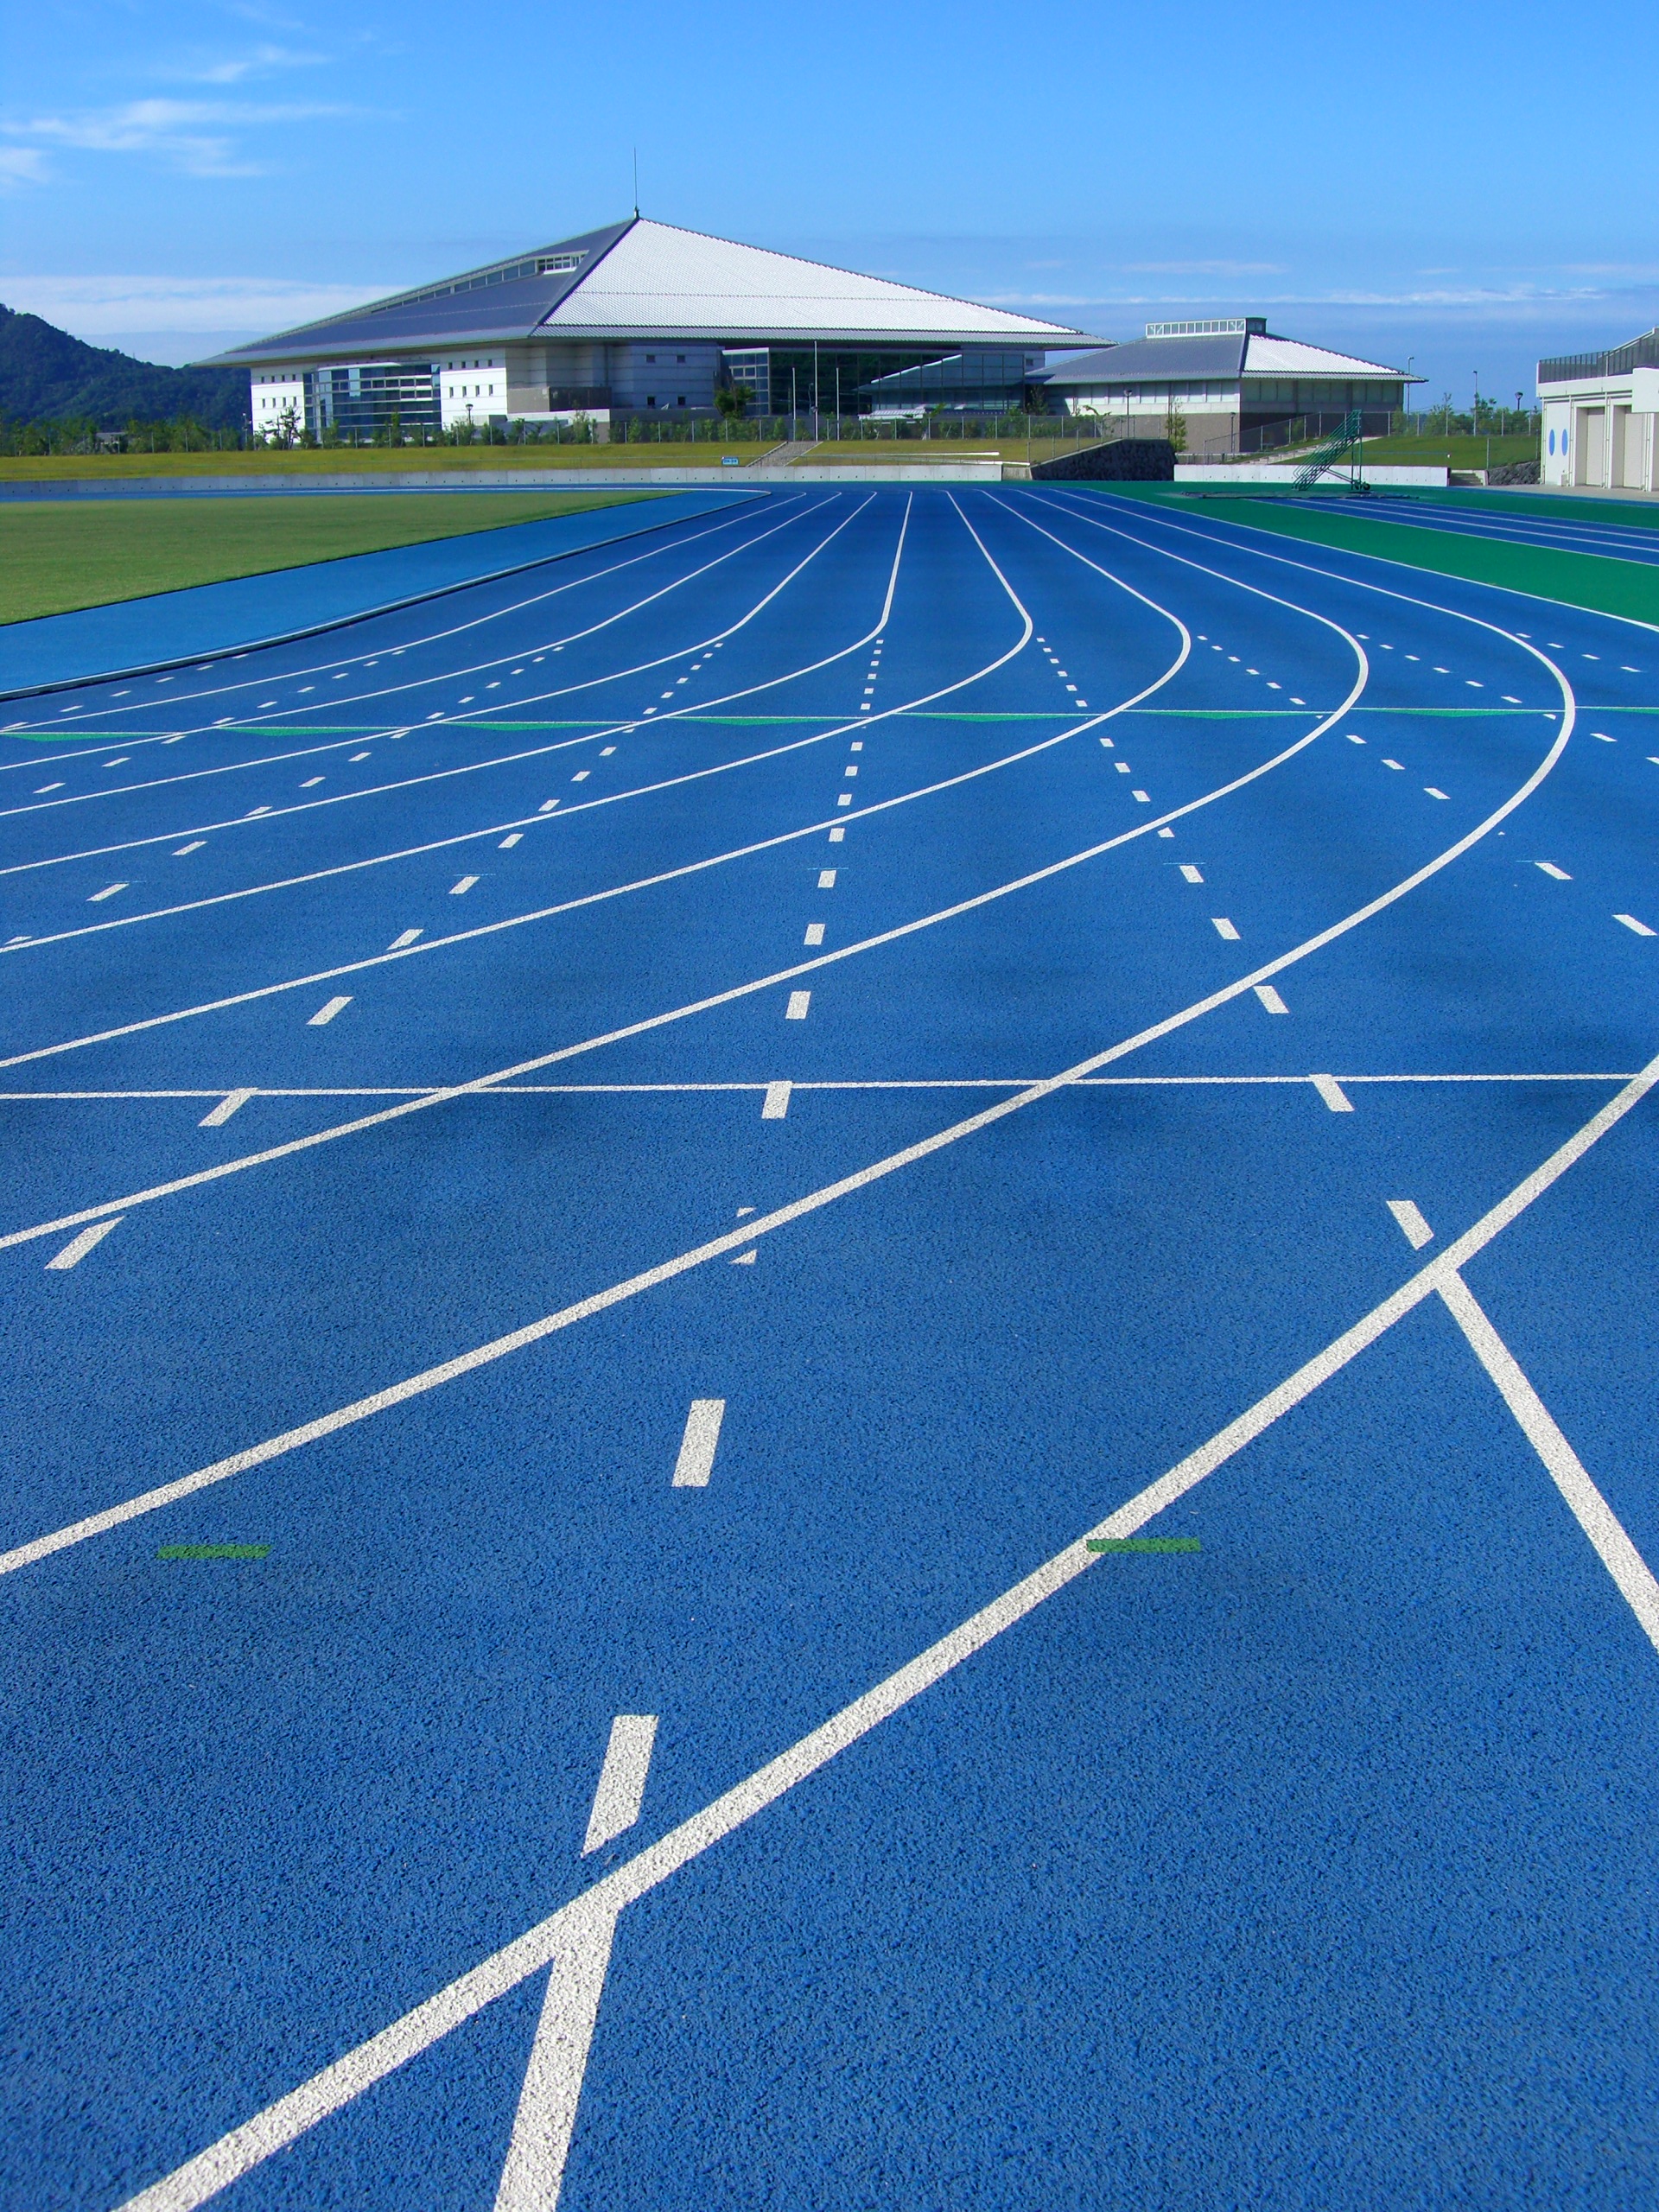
1332,1093
814,933
1352,740
310,783
465,884
1434,792
1394,764
1270,999
621,1788
547,806
746,1259
108,892
1631,923
851,771
326,1014
581,775
1192,874
1630,1573
78,1247
1223,928
572,1938
233,1102
41,789
194,847
507,843
1165,833
1550,868
1141,799
839,837
1603,736
399,942
1416,1231
1122,766
697,1446
775,1105
846,799
826,879
798,1002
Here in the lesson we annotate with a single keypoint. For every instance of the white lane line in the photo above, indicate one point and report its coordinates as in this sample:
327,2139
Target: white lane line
507,843
1434,792
1412,1227
1270,999
746,1259
283,2121
1395,763
836,836
814,933
195,846
1332,1093
1352,740
233,1102
621,1788
697,1446
310,783
851,771
1630,1571
1631,923
1550,868
326,1014
1222,927
1189,873
1141,799
826,879
408,937
468,768
798,1002
78,1247
465,884
108,892
546,2118
775,1105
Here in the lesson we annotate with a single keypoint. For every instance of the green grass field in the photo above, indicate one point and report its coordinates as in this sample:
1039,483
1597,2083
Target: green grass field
365,461
1456,453
1589,579
87,553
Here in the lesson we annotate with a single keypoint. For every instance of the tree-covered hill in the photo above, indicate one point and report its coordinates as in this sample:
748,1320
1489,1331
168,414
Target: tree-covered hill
47,376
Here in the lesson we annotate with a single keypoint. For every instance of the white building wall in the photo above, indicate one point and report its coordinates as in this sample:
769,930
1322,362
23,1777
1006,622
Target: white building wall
276,402
471,385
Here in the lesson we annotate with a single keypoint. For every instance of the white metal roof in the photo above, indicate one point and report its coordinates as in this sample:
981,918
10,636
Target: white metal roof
1288,357
658,278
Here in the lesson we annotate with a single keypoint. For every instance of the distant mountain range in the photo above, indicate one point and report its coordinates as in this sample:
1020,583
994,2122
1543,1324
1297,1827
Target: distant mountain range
47,376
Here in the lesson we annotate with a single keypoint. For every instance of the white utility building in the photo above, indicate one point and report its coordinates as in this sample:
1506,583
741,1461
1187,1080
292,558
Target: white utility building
1601,417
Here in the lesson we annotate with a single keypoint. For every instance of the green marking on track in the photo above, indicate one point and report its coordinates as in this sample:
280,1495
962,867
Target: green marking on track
1144,1544
213,1551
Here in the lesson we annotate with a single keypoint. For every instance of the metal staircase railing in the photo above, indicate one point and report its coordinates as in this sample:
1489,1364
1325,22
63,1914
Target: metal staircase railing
1326,454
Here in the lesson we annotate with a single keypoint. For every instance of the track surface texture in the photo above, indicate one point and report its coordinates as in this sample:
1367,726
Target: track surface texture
830,1353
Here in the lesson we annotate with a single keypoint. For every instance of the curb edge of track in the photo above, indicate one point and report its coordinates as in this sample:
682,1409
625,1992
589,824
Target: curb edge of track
320,629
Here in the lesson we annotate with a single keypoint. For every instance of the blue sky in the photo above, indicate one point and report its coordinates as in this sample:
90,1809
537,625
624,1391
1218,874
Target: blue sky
1464,187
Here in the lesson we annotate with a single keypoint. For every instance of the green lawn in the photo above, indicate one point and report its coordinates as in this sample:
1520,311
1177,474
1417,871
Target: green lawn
1590,580
87,553
1456,453
367,460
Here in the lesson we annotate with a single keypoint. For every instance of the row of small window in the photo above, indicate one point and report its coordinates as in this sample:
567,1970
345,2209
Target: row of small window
651,359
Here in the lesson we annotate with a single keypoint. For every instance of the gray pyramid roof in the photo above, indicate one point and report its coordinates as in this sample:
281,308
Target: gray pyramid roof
644,279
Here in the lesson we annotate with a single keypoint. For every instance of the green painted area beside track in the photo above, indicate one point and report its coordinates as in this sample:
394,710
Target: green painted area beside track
1592,581
55,558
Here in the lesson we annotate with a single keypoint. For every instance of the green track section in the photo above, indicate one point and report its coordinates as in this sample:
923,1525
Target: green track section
1587,579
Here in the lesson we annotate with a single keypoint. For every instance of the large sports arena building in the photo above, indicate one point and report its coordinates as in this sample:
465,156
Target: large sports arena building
638,318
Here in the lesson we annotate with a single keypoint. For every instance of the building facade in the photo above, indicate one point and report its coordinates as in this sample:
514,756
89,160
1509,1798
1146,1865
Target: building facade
1238,387
1601,417
637,320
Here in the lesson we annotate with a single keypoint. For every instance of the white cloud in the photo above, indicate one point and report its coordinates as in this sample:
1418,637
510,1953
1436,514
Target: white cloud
21,165
195,136
113,306
259,62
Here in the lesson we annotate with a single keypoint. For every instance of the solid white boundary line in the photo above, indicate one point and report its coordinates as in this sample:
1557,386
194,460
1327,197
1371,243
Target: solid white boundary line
545,2120
1590,1509
237,2153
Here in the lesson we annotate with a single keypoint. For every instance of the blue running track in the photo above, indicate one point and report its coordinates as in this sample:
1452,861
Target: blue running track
613,1176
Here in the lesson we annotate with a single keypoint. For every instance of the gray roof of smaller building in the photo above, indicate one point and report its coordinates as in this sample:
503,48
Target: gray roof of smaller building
1147,360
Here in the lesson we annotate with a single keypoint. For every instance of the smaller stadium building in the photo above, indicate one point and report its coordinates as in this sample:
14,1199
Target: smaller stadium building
1601,417
638,318
1238,387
